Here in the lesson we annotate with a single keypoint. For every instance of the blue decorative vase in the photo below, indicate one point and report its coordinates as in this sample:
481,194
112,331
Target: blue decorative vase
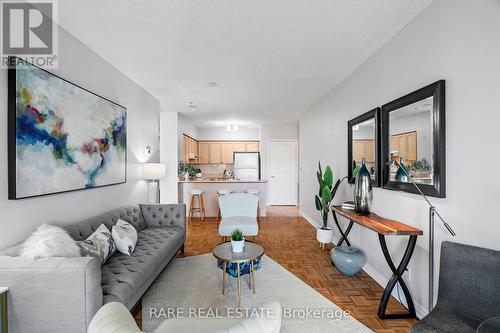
349,260
402,173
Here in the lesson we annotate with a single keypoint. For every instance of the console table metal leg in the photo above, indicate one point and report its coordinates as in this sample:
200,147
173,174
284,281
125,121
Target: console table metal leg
224,277
253,275
397,276
342,233
239,285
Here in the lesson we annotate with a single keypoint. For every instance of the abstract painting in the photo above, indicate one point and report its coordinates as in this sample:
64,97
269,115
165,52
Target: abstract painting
61,137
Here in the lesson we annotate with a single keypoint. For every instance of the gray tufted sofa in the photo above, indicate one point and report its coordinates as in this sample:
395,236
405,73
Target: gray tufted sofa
63,294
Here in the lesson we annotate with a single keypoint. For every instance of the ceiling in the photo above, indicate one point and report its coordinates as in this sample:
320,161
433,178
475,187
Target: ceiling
272,59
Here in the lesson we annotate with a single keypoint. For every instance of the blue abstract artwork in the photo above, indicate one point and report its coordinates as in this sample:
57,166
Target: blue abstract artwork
61,137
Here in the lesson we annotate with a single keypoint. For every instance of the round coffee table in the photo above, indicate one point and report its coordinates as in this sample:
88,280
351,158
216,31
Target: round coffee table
250,253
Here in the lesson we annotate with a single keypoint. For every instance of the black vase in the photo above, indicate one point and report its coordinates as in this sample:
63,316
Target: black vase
363,193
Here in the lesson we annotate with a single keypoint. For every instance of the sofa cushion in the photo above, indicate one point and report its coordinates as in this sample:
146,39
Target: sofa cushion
123,275
131,214
99,245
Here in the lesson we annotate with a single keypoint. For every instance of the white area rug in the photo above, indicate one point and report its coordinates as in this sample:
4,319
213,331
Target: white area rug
196,282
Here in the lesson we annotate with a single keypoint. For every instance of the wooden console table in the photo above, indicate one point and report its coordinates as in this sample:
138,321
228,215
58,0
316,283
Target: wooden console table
384,227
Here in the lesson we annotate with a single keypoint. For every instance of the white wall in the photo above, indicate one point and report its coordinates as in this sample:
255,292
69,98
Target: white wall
455,40
220,133
274,132
168,155
82,66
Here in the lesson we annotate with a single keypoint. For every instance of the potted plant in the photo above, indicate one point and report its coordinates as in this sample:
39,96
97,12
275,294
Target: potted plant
323,201
187,170
237,241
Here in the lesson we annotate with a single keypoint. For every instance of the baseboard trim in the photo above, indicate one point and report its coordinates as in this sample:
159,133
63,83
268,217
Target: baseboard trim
308,218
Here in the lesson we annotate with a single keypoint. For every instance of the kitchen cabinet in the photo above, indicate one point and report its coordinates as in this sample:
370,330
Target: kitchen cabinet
404,145
190,149
203,152
215,152
252,146
363,149
227,150
193,151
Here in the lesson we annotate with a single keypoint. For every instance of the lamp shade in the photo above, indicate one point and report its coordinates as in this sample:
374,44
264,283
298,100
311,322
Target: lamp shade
153,170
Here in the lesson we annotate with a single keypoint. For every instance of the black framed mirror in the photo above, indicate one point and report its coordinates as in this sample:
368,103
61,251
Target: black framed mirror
413,141
363,141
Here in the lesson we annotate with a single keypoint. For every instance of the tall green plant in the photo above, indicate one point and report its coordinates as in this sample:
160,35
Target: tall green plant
326,193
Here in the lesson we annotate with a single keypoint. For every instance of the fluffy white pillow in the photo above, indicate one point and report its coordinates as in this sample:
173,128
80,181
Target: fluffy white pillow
124,236
49,241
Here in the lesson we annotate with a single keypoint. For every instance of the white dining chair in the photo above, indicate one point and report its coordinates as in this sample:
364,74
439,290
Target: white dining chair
238,211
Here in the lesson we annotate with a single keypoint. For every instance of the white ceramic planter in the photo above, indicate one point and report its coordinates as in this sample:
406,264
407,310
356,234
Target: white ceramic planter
237,246
324,236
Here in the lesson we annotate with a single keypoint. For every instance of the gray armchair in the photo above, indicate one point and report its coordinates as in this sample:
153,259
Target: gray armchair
469,291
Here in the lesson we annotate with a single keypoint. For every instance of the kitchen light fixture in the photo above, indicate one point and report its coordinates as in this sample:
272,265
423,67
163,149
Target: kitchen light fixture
232,128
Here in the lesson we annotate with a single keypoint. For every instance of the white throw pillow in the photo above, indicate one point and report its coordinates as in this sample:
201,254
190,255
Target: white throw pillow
124,236
49,241
100,244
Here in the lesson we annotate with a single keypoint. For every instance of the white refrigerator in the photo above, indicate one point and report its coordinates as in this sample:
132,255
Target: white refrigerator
247,166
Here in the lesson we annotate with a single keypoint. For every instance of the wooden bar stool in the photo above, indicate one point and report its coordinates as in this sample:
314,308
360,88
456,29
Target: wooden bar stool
222,191
256,192
197,199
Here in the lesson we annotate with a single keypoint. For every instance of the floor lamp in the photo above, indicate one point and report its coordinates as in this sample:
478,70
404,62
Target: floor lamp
154,172
432,213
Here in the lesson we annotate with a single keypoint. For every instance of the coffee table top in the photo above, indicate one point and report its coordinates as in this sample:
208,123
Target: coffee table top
251,252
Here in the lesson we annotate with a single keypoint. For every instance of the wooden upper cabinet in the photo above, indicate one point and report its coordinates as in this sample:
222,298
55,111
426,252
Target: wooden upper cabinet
363,149
190,150
239,147
215,152
186,149
203,152
252,146
370,151
404,145
227,150
411,150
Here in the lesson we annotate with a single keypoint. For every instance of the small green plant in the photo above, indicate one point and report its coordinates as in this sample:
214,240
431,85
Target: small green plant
419,165
190,169
237,235
326,193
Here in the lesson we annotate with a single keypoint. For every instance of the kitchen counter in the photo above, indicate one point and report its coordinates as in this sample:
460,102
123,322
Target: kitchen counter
210,187
203,180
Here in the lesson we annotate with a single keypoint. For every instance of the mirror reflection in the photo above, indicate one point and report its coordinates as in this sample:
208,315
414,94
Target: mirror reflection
363,146
410,142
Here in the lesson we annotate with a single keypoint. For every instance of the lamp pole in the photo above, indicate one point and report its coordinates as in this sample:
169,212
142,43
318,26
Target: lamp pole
432,213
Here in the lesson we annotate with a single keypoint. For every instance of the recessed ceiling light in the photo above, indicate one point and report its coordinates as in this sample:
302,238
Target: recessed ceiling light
212,83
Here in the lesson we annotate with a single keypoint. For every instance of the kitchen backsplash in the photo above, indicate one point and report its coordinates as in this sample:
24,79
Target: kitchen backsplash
215,170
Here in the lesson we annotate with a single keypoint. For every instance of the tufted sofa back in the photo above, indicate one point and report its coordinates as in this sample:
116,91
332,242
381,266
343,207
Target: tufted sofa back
161,215
131,214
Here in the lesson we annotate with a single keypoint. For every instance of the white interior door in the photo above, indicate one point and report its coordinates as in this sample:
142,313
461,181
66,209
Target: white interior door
283,173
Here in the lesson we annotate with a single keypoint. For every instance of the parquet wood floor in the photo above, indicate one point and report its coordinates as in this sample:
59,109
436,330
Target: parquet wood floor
291,241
